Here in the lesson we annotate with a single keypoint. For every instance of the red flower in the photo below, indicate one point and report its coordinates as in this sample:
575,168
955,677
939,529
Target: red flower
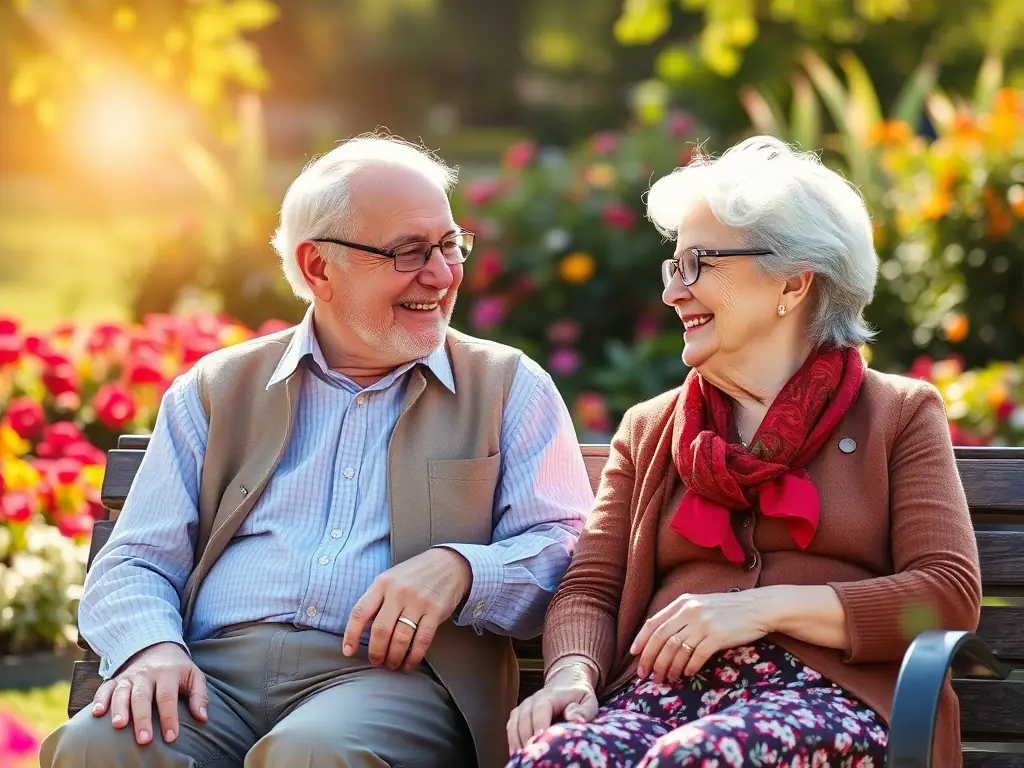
921,368
680,124
145,371
103,337
199,346
1005,409
114,405
618,216
75,525
272,326
520,154
61,379
64,471
17,507
26,417
85,452
8,326
10,348
59,436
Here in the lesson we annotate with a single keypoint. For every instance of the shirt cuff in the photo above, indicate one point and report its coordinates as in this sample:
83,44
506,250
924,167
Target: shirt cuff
488,582
111,662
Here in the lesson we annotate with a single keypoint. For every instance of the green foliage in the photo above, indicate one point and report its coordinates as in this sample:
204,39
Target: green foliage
568,269
196,51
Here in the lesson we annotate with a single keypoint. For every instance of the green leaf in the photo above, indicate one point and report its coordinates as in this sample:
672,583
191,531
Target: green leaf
831,90
675,64
642,21
990,80
911,100
863,110
763,111
805,122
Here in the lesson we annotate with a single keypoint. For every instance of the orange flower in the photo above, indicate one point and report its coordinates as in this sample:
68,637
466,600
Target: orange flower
889,132
955,328
937,205
577,267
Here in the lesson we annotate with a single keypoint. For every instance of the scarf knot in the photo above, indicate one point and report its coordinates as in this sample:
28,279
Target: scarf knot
721,476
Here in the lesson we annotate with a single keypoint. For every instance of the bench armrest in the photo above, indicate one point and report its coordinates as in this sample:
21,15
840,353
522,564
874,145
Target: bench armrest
915,705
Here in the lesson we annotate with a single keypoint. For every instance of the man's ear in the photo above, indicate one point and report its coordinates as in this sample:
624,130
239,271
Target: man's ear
313,265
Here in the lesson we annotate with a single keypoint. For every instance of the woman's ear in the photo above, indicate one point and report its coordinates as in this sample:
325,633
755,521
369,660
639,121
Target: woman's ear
795,290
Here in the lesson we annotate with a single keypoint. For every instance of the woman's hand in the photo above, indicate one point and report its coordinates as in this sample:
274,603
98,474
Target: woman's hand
679,639
568,694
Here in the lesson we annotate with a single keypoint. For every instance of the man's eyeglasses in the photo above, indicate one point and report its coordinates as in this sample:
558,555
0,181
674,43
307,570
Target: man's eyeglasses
687,263
410,257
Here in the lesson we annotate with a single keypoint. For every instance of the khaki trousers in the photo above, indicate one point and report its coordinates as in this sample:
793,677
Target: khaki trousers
282,696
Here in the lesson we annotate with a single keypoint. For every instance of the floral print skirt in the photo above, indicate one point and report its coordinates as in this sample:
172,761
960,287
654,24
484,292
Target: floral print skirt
750,706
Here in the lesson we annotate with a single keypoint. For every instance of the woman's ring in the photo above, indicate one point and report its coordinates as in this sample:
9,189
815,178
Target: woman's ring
410,622
688,647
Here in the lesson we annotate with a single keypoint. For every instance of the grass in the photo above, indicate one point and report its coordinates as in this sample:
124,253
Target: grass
40,709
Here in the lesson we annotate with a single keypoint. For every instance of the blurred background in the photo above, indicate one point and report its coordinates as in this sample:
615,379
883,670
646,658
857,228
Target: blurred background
145,146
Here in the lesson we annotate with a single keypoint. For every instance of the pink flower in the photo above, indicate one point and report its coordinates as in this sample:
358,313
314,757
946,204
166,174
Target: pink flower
680,124
64,471
16,741
520,154
60,435
485,268
1004,410
564,361
605,142
646,326
482,191
921,368
618,216
26,417
85,452
563,332
10,348
114,405
488,312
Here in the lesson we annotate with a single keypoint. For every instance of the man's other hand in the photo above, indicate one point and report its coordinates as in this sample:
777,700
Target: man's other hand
158,673
424,590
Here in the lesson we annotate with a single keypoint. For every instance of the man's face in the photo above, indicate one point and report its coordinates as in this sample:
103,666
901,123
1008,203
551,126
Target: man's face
379,315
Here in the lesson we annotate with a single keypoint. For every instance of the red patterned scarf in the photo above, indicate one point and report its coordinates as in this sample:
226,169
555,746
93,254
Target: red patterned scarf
721,475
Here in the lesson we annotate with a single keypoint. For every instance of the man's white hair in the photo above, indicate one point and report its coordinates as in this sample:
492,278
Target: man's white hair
318,203
788,202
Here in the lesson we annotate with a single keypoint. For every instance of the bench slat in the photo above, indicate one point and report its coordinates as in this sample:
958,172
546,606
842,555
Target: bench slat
1002,557
974,759
991,709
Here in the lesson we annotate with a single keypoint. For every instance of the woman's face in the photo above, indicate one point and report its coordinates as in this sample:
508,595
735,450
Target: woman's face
732,307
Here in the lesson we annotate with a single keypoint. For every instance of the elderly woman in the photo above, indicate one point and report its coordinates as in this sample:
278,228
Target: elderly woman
768,537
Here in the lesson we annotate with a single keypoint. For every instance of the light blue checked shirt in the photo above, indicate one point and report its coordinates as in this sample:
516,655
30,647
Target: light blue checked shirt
319,534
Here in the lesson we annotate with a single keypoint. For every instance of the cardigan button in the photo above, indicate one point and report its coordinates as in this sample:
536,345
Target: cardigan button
751,562
733,589
847,445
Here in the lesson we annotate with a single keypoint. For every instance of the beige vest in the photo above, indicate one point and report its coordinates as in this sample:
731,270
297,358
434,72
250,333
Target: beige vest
443,467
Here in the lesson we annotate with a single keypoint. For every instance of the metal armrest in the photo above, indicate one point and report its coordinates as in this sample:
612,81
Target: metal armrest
916,701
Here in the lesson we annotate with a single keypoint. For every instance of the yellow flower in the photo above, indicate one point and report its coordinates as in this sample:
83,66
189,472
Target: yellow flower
12,444
865,352
93,476
19,475
234,334
577,267
600,176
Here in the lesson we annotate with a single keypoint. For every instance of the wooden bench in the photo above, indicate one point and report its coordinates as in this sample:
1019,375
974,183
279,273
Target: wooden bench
988,668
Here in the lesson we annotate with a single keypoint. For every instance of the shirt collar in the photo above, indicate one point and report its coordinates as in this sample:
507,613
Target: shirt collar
304,346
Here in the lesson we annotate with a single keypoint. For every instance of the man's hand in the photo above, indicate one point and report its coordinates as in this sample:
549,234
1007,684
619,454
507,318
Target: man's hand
161,672
425,590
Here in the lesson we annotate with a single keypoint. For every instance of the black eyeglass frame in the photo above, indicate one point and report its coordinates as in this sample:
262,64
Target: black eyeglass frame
670,267
465,248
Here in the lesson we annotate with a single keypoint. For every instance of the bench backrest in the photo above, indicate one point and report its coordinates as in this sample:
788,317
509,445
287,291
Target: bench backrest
992,712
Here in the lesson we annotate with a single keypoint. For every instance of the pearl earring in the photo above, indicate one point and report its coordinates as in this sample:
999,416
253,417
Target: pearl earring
782,309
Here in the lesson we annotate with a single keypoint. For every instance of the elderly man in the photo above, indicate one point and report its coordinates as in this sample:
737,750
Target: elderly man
336,528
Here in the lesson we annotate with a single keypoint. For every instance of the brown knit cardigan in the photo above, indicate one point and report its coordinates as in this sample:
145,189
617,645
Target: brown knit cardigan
894,540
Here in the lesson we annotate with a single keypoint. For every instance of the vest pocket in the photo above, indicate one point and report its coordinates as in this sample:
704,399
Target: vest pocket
462,499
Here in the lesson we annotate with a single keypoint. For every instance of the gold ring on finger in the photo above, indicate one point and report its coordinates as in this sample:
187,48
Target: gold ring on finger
688,647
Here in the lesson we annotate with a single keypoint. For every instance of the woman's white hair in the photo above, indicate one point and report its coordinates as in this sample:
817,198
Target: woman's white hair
318,202
788,202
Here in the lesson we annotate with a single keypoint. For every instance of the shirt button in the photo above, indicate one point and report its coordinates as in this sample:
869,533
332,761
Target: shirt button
311,611
324,560
336,533
349,472
751,562
361,401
